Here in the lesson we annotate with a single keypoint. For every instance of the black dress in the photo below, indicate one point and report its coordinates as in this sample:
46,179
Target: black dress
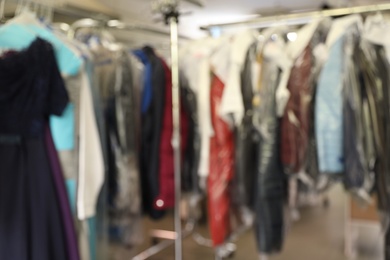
31,89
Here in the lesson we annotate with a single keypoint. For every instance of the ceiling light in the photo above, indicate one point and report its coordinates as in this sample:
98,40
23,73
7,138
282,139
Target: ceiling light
115,24
292,36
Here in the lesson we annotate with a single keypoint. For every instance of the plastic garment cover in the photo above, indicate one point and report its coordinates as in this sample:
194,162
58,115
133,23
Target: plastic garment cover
328,111
318,41
295,122
245,146
376,80
379,95
221,169
383,179
93,239
166,195
123,176
270,179
125,194
358,138
151,125
190,178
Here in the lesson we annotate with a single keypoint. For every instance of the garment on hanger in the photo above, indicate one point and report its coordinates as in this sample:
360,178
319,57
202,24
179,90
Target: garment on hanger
66,213
20,31
375,47
109,80
232,107
383,179
196,67
152,123
190,178
270,179
317,42
32,223
91,176
295,123
166,195
329,120
147,89
124,129
243,185
376,82
358,139
117,93
221,169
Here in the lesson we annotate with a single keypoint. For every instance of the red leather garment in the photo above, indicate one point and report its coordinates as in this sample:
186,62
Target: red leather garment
221,169
296,120
166,197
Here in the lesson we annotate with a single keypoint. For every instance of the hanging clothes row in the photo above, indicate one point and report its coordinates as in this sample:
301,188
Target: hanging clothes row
156,154
136,97
117,87
29,71
74,111
270,109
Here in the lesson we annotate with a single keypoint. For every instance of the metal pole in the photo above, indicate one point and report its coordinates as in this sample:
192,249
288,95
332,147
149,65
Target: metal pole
173,22
301,18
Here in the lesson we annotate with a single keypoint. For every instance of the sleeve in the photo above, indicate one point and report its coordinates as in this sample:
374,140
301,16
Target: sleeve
232,100
58,97
91,162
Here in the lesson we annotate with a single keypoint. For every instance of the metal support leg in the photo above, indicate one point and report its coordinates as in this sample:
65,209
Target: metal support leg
171,15
293,198
173,21
263,257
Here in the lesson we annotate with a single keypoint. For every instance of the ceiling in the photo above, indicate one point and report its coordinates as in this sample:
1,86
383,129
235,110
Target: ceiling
216,11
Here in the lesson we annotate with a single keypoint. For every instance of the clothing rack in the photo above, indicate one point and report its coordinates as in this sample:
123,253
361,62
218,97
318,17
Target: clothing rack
169,9
115,25
298,18
293,19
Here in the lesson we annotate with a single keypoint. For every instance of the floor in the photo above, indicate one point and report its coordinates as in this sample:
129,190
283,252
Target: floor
318,235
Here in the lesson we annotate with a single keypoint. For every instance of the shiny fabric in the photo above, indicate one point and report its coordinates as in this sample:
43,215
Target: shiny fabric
328,110
358,139
312,158
376,81
270,179
383,178
295,124
190,177
379,92
243,184
221,169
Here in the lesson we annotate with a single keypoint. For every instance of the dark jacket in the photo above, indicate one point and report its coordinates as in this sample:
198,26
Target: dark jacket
151,124
166,195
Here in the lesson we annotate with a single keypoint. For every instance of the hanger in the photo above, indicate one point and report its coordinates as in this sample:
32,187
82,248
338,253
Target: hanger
20,31
271,33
